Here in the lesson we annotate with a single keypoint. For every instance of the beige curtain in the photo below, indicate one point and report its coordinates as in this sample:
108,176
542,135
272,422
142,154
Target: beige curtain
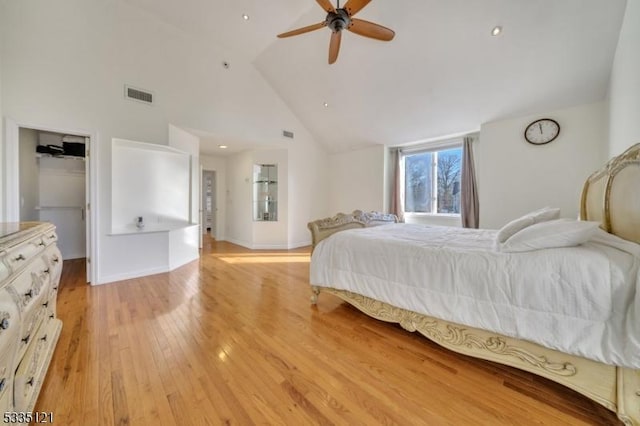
469,205
397,200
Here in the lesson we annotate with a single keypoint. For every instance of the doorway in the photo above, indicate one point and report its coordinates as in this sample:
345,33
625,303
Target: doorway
209,208
48,178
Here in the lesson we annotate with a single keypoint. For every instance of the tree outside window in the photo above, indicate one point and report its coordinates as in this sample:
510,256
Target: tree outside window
432,182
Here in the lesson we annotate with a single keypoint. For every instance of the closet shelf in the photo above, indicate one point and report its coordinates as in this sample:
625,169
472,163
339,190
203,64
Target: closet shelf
63,157
59,207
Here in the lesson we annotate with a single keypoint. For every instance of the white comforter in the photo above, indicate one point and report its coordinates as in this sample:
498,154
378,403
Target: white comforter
581,300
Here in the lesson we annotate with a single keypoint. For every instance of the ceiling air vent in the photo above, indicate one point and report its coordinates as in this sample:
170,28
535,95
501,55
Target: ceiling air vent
138,95
287,134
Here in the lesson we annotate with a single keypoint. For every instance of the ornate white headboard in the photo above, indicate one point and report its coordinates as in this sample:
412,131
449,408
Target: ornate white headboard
612,195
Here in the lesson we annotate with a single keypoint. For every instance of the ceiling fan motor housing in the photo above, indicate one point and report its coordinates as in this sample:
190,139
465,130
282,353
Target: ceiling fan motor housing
338,21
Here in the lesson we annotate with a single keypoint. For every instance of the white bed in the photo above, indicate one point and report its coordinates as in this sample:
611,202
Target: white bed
568,314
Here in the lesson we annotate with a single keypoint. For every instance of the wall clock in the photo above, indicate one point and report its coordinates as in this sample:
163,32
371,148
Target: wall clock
542,131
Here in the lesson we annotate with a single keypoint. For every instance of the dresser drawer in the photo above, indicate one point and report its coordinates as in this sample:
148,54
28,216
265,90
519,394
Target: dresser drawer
19,256
29,327
9,321
32,369
6,372
5,271
50,303
53,260
9,332
49,237
27,287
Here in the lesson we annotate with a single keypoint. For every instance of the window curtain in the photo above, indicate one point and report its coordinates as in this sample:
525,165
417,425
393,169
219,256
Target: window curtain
469,205
397,199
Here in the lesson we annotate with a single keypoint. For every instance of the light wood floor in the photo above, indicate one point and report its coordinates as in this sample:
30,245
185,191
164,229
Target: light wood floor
232,339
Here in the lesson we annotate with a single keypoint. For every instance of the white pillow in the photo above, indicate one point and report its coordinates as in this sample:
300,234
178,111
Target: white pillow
529,219
551,234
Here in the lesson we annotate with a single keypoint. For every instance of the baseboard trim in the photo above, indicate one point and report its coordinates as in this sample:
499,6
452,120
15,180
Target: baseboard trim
130,275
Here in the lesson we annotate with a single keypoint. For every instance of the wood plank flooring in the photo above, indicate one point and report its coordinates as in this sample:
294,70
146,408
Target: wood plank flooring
232,339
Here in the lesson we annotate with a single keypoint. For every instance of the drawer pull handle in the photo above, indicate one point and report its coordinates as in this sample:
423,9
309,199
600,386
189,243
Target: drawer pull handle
55,259
30,382
41,244
29,293
46,271
50,316
45,304
56,288
18,258
52,236
2,384
26,338
4,324
44,338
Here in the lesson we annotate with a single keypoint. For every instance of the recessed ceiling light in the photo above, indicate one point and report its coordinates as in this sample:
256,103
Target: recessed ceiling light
245,16
326,105
496,30
222,146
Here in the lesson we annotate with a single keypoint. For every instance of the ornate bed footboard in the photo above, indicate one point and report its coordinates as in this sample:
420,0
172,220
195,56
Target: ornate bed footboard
615,388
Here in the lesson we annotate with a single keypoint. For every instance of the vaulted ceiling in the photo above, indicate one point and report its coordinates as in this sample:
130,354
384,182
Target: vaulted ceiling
444,72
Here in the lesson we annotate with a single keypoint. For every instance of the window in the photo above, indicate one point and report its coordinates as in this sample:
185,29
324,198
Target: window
432,181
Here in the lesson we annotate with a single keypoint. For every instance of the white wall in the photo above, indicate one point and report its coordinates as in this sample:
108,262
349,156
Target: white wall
29,173
189,143
624,88
65,64
308,187
219,165
515,177
357,180
239,226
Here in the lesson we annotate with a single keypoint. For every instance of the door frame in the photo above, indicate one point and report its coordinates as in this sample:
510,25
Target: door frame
12,182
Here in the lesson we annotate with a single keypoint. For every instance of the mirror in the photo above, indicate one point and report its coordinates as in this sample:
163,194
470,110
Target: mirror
265,192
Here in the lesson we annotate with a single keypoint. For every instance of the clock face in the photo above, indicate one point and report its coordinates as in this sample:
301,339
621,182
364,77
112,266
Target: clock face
542,131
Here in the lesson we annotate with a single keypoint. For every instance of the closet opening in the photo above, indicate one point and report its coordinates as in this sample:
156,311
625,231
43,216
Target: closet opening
48,180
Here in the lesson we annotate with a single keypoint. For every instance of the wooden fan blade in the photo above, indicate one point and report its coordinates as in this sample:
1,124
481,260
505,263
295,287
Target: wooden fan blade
303,30
354,6
371,30
327,6
334,46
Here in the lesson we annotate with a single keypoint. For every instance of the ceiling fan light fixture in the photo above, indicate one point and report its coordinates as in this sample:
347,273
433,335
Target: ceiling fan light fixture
496,31
341,18
326,105
338,20
245,16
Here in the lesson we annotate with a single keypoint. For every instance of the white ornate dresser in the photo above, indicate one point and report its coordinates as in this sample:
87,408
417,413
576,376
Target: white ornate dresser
30,267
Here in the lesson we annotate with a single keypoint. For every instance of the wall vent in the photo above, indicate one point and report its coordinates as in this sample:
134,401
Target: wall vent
287,134
139,95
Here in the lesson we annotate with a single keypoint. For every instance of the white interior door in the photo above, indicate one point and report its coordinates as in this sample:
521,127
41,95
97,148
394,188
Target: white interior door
86,211
200,210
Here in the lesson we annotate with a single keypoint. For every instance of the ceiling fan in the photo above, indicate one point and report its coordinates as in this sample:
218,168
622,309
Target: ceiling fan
339,19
